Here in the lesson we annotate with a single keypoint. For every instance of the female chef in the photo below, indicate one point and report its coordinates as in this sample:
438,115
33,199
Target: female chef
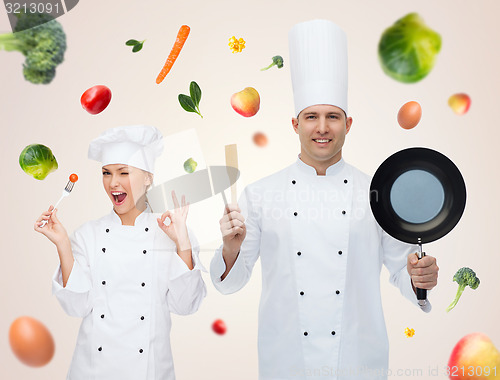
124,273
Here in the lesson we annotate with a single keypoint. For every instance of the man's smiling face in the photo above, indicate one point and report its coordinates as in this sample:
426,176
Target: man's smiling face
322,129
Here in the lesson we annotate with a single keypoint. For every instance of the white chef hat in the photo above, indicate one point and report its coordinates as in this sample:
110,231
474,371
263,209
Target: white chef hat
135,145
318,64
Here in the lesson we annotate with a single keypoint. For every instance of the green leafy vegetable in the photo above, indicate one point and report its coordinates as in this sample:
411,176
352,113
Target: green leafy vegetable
137,45
190,165
195,92
191,103
408,49
38,161
277,61
42,40
464,277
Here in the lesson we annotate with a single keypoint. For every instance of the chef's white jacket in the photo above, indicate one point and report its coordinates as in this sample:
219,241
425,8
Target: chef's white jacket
124,283
321,253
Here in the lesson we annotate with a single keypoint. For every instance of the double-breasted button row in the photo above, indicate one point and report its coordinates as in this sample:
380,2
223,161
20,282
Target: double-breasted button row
146,229
343,212
143,251
299,253
100,349
104,283
302,293
306,333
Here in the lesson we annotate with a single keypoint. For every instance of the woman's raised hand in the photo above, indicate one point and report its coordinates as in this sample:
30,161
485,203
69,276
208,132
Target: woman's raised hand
177,229
53,230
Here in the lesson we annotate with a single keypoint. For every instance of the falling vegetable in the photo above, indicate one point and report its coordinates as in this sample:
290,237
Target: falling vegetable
182,36
190,165
38,161
191,103
408,49
137,45
464,277
277,61
42,40
409,332
73,178
95,99
219,327
236,45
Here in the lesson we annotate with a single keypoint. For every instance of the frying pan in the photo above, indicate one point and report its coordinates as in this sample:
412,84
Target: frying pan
417,195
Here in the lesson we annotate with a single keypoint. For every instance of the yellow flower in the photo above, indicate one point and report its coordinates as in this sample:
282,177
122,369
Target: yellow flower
409,332
236,45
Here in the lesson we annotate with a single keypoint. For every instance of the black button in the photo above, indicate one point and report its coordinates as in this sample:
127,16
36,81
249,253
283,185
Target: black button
99,349
146,229
142,318
104,282
301,293
104,249
102,315
305,333
295,213
293,181
107,229
144,251
299,253
338,291
143,284
340,252
345,181
333,332
343,212
141,351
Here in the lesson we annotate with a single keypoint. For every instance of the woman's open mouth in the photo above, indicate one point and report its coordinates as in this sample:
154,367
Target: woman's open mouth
119,197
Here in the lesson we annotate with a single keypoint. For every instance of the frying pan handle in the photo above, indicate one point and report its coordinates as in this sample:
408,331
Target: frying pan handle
421,293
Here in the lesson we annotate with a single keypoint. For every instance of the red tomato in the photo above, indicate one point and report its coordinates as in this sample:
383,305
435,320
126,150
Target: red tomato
96,99
219,327
73,178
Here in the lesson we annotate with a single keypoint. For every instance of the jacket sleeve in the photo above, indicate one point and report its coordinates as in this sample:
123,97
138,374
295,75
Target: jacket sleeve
241,271
186,288
395,254
75,296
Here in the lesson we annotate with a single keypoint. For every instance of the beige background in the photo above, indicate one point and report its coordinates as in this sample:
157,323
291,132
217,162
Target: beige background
96,32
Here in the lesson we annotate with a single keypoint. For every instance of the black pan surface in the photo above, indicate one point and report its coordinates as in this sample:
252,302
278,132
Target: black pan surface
417,195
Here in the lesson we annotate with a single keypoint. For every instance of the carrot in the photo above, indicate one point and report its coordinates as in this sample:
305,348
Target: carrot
182,35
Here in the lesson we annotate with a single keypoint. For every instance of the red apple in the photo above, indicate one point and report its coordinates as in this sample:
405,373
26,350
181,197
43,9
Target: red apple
474,357
459,103
246,102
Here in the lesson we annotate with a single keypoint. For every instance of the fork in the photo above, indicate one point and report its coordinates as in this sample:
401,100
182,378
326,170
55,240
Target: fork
65,193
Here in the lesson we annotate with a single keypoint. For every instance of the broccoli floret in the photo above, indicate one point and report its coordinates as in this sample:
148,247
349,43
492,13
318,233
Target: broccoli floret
277,61
464,277
42,40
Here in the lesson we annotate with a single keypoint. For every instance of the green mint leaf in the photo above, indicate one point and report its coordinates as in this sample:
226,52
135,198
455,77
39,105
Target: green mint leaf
137,47
195,92
131,42
187,103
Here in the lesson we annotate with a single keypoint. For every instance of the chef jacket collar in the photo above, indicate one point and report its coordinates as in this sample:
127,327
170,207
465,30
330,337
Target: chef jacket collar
330,171
139,221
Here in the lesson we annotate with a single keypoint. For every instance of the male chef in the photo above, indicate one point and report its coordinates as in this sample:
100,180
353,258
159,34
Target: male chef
321,249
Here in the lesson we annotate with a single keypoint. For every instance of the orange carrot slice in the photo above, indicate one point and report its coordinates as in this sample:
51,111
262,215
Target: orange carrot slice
182,36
